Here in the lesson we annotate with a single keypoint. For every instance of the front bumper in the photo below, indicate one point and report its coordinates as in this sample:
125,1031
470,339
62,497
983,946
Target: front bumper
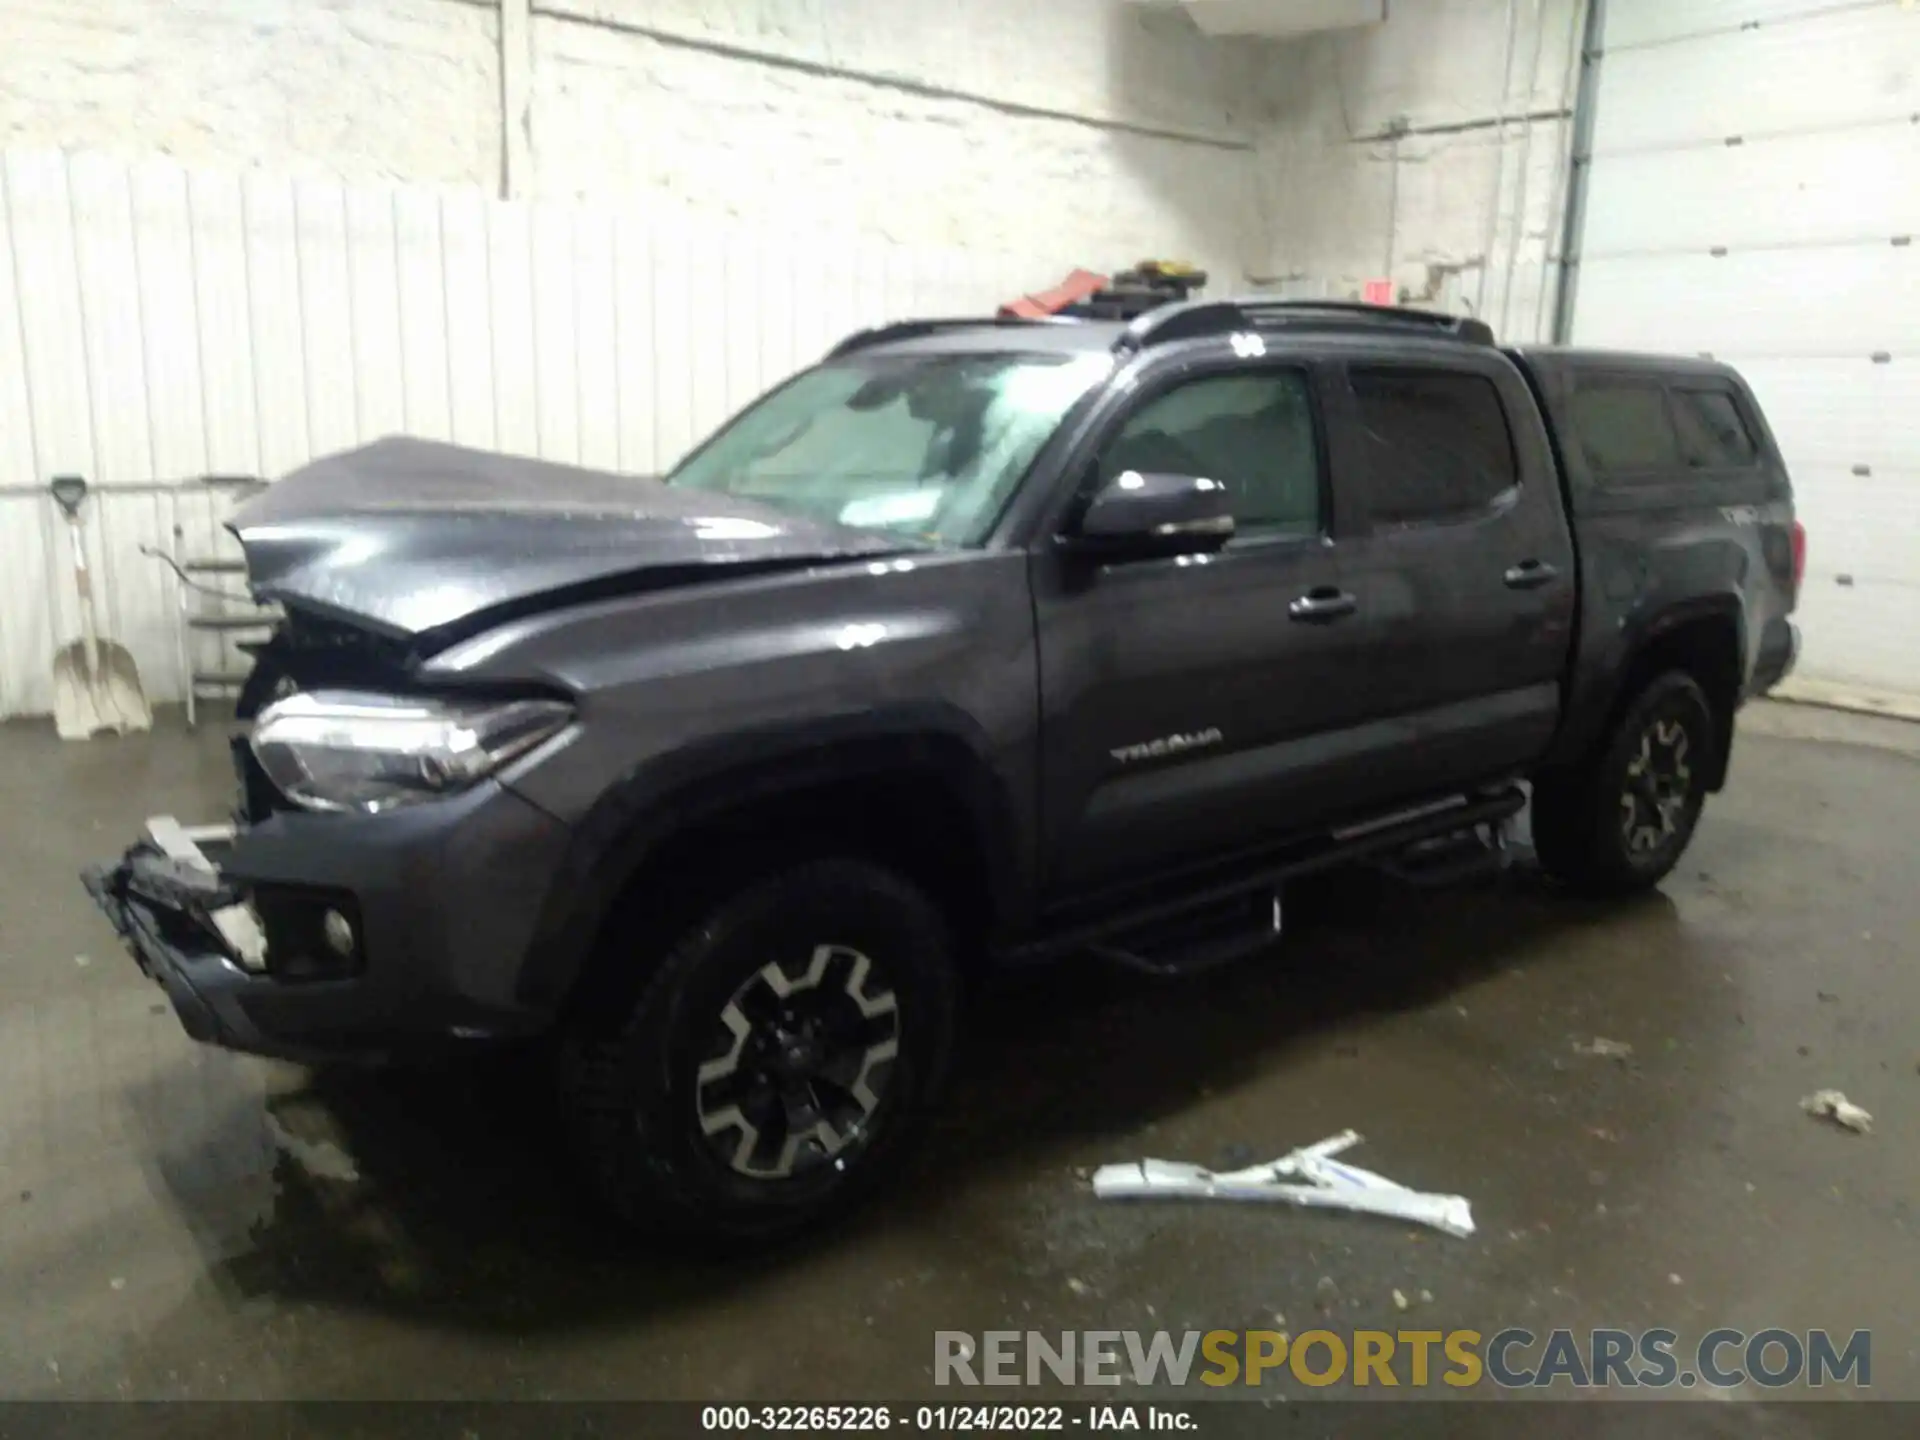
198,974
447,897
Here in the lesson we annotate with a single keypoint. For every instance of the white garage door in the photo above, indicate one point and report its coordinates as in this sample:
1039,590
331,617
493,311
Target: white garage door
1755,195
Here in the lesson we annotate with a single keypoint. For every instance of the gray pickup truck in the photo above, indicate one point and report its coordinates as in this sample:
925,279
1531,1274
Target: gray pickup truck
977,643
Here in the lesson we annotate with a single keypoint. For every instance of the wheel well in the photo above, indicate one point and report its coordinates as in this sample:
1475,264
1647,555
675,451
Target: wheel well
910,821
1708,649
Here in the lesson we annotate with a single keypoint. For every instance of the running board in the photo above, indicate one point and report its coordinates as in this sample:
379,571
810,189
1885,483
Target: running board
1198,940
1450,859
1384,839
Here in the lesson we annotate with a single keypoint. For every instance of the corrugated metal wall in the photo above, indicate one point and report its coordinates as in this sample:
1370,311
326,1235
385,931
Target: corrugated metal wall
159,323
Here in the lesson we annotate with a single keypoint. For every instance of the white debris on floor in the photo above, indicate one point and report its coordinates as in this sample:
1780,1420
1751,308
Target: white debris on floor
1309,1176
1834,1106
1601,1048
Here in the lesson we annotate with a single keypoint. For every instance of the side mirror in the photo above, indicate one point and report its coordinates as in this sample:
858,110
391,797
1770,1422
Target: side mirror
1152,515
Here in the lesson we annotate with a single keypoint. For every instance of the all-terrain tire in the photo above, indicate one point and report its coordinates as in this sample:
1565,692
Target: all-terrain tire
631,1082
1585,820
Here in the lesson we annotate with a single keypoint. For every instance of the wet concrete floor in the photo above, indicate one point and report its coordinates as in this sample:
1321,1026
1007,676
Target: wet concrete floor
180,1222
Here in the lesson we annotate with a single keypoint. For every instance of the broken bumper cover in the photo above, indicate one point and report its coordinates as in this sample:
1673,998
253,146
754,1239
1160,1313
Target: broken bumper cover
140,918
445,897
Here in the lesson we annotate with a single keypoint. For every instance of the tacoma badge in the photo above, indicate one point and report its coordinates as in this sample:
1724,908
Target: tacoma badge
1167,745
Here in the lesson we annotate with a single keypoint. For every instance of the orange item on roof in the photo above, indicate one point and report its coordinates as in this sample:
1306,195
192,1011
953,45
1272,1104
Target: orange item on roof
1070,291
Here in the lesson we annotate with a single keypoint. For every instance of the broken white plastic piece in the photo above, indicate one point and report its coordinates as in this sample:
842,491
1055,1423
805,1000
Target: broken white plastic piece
237,924
1832,1105
1602,1048
1325,1183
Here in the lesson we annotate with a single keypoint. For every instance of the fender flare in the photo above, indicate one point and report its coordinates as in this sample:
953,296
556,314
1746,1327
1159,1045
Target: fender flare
642,812
1592,708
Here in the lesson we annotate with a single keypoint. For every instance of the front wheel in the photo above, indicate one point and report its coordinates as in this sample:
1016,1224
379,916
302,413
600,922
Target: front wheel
776,1063
1621,823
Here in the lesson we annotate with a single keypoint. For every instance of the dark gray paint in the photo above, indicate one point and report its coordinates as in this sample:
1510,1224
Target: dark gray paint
410,537
1658,551
1020,676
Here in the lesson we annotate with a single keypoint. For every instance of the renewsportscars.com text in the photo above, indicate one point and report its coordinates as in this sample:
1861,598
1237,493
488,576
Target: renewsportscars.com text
1510,1359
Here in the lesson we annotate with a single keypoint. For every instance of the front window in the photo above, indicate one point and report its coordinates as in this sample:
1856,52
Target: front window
923,446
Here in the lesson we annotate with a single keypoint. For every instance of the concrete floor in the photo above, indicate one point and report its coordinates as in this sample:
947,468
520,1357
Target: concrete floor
179,1222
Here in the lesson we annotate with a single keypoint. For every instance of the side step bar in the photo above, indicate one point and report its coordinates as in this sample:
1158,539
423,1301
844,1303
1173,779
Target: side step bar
1380,841
1198,940
1449,859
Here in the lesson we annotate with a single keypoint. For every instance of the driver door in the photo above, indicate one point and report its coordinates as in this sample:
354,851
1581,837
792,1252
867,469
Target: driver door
1194,704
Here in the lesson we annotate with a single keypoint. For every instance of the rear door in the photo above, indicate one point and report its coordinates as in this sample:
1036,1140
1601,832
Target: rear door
1462,564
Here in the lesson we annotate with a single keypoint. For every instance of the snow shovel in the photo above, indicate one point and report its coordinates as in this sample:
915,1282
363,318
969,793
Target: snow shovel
96,685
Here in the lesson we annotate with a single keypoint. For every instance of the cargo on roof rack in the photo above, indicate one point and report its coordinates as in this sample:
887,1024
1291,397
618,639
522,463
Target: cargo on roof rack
1221,317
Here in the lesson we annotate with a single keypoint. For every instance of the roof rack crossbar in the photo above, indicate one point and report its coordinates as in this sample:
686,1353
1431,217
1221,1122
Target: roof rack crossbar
914,329
1254,312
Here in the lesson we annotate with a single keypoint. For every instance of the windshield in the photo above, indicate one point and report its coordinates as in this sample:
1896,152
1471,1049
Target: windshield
928,446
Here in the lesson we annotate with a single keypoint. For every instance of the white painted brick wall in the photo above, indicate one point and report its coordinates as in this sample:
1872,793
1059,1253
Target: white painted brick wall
1336,211
913,119
1122,60
620,114
410,90
392,89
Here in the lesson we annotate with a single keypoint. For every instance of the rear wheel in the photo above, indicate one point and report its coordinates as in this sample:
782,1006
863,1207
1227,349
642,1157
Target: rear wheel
775,1065
1621,822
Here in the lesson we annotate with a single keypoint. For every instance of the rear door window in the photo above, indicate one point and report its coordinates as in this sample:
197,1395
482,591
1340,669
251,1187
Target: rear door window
1712,430
1624,426
1438,446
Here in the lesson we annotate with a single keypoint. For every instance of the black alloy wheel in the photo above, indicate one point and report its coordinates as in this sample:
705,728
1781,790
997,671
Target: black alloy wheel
1659,786
800,1063
772,1065
1619,822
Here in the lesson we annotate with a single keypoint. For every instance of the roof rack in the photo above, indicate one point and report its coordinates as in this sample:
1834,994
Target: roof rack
1198,318
914,329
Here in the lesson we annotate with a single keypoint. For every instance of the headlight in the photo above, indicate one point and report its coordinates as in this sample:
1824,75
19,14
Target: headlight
346,750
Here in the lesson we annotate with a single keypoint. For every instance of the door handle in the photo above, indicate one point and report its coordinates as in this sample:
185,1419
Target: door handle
1321,604
1530,575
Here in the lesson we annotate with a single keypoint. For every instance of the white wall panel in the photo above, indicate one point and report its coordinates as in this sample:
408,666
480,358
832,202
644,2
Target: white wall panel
425,325
1867,64
465,261
171,325
1865,634
228,345
24,622
1860,527
513,338
276,323
596,357
1838,413
373,282
1809,284
158,323
1650,22
1855,185
1817,302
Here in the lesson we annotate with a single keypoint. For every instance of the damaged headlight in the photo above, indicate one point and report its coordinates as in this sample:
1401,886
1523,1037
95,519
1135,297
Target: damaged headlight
347,750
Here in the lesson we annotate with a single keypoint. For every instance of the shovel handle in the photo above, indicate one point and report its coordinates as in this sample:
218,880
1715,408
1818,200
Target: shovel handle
83,583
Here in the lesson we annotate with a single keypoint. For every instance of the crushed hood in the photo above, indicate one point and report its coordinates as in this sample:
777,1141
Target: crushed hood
413,537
